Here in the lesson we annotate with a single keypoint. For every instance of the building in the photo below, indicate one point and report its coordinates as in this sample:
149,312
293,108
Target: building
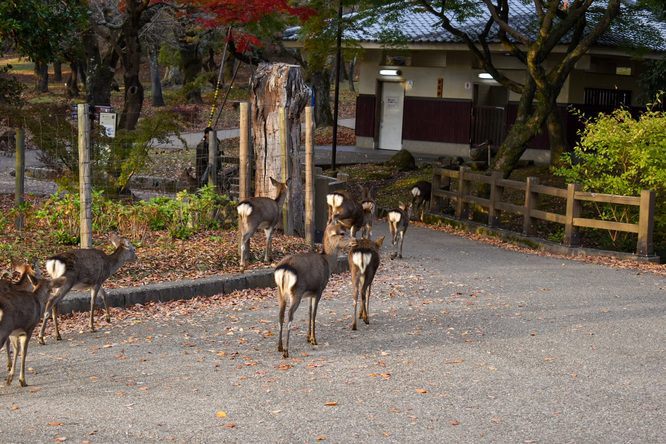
431,96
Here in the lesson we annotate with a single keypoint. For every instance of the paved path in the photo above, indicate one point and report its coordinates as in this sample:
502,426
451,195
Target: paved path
467,343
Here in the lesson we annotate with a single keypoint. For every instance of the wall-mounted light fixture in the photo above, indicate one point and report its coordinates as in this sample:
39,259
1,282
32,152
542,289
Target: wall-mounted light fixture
389,72
485,76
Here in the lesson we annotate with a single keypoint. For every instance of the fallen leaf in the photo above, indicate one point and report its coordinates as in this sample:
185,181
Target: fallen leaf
421,391
221,414
321,438
231,426
55,423
331,403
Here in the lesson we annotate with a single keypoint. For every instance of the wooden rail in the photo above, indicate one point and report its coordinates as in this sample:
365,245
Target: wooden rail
442,194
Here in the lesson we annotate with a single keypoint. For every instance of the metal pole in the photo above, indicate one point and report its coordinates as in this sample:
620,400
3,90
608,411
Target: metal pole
337,88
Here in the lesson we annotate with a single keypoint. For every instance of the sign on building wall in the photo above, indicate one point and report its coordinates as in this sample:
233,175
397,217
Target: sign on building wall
440,87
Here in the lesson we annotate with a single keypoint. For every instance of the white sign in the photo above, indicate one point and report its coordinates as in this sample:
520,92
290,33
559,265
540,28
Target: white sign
468,85
392,102
108,121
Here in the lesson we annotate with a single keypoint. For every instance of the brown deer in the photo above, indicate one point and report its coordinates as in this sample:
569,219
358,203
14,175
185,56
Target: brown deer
82,270
421,192
23,284
344,209
305,275
398,220
369,211
260,213
363,263
20,312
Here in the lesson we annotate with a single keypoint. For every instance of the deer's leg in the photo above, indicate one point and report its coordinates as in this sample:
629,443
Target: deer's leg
93,296
106,306
51,306
9,355
355,284
295,302
366,310
269,238
23,340
282,300
15,345
402,238
314,302
394,240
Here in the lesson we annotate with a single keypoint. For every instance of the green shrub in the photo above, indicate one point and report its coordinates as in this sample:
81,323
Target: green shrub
621,154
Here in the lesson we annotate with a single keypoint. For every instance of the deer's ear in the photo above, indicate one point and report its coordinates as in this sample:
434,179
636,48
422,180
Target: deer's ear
380,241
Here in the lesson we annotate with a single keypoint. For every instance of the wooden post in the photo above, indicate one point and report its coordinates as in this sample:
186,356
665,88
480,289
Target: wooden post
571,233
309,177
436,186
245,166
462,208
495,196
85,184
287,227
19,189
531,200
212,158
645,247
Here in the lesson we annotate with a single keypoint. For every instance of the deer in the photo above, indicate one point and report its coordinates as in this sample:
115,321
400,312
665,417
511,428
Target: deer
305,275
363,263
263,213
421,192
20,312
85,269
23,284
398,219
369,211
344,209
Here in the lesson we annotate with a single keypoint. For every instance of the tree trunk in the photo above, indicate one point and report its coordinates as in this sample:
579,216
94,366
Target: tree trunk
192,59
57,71
72,84
279,86
558,144
155,80
131,59
322,94
100,70
352,66
41,77
172,76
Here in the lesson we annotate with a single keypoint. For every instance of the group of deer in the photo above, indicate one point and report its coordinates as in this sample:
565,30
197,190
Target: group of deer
24,302
305,275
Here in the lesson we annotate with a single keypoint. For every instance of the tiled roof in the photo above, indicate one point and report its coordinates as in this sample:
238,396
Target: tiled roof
424,27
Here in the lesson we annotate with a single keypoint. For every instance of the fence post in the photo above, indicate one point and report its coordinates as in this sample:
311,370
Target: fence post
286,217
571,233
645,247
495,196
309,177
85,184
19,188
462,208
531,200
212,158
244,153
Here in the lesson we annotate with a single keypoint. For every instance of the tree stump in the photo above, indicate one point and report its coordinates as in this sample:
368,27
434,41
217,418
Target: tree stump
279,86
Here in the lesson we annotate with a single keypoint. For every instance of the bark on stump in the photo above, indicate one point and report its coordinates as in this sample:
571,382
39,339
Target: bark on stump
279,86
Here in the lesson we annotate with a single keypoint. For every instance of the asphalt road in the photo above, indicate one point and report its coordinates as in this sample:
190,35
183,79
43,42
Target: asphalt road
466,343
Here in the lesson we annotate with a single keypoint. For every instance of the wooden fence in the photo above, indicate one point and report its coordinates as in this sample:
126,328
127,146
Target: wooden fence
463,180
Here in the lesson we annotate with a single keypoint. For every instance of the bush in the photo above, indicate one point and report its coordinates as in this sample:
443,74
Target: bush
621,154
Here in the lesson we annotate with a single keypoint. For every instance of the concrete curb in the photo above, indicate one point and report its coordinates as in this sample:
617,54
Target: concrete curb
77,301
